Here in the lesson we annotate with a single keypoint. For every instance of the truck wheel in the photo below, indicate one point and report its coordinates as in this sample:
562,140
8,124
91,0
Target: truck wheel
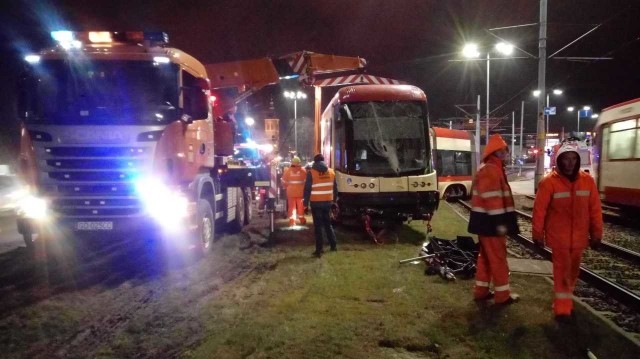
248,208
238,222
205,233
28,241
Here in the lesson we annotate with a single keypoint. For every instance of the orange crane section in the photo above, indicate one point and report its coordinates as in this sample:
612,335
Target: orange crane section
249,76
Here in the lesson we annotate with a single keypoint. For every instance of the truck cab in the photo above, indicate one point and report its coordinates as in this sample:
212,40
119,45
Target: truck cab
117,135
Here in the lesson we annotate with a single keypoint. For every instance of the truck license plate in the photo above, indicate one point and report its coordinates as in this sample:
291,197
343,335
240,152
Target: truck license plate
94,226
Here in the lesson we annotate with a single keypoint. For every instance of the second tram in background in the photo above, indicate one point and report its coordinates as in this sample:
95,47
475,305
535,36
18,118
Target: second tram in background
617,154
375,137
453,154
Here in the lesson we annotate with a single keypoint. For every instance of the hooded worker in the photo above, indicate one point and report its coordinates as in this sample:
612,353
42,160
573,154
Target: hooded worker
567,215
492,218
293,182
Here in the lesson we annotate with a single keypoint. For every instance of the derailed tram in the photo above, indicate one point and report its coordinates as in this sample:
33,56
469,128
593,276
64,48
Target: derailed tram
375,137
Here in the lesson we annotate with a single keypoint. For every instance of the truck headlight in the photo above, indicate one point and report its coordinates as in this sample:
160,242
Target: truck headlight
164,204
33,207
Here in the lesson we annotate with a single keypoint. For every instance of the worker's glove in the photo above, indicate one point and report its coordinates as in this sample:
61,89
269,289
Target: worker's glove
595,244
501,230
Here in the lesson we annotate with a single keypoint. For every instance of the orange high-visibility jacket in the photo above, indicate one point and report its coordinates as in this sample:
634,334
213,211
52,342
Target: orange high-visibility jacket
322,185
566,213
293,180
492,202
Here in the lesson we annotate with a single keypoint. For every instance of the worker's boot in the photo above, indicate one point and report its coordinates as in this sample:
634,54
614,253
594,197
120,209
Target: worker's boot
302,220
292,222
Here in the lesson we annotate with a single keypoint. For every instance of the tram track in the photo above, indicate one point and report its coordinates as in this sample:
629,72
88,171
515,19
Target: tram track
613,271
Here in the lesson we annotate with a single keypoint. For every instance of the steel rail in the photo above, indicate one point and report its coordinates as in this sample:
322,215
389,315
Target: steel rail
615,291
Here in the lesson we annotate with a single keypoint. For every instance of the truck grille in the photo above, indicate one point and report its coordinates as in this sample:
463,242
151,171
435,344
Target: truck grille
94,182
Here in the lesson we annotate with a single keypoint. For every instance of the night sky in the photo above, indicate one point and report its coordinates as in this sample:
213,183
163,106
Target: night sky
407,40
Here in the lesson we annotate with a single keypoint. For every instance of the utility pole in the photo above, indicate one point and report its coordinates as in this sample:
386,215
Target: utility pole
521,125
478,133
513,136
488,78
542,62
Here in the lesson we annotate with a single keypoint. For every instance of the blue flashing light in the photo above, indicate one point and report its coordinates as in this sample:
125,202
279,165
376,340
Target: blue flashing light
295,76
157,36
62,36
32,59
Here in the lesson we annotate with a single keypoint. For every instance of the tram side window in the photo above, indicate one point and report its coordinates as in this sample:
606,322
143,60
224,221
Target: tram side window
339,144
623,139
453,163
463,163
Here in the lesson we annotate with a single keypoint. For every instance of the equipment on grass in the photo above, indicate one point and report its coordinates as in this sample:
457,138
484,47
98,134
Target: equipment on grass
449,258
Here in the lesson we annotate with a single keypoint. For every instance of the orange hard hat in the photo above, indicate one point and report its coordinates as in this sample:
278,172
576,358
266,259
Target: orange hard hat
496,143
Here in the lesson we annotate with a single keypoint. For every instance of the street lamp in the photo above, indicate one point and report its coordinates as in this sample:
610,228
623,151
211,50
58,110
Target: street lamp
471,51
250,122
557,92
295,96
582,113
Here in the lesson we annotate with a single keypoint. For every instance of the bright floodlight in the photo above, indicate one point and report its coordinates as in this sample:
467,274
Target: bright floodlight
470,51
504,48
595,115
249,121
570,108
536,93
295,95
587,108
32,59
557,92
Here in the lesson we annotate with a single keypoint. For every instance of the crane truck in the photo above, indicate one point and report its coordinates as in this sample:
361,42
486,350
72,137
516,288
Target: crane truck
118,135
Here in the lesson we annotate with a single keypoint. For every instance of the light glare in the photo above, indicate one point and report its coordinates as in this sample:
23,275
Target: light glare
32,59
470,51
100,36
504,48
161,59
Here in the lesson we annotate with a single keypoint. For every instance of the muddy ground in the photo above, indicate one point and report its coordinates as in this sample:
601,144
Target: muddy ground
136,288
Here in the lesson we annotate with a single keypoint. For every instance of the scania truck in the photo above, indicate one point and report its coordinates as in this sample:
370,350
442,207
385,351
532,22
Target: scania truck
117,135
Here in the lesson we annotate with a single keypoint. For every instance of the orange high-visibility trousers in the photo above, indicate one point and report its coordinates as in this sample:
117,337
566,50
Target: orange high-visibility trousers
566,268
492,266
295,203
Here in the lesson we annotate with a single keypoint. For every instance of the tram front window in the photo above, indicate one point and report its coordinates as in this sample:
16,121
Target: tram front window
389,139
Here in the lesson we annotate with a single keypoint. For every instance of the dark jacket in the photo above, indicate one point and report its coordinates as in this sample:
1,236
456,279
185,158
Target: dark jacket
320,167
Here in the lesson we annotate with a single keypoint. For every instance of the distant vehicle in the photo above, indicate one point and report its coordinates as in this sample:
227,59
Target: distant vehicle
617,154
11,193
454,161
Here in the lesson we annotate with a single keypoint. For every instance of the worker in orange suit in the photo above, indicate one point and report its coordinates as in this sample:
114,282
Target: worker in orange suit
567,215
492,218
293,182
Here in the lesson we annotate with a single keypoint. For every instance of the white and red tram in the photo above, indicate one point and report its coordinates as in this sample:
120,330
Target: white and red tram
617,154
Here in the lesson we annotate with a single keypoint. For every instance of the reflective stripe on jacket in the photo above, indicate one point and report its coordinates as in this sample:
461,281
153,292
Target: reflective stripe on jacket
293,180
322,185
492,201
566,213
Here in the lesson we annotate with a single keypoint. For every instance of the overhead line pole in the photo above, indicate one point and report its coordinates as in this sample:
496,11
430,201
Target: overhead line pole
488,68
477,142
542,62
